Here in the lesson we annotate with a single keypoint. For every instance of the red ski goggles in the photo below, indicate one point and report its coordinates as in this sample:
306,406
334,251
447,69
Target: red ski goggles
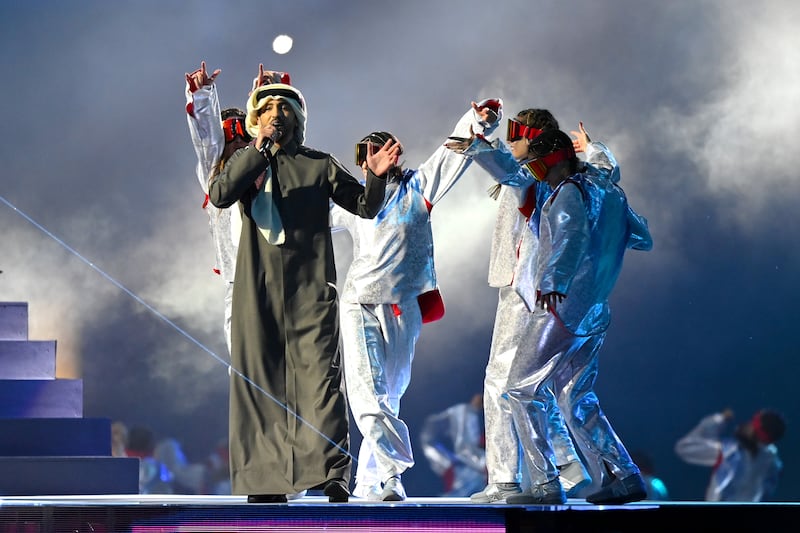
234,126
539,167
517,130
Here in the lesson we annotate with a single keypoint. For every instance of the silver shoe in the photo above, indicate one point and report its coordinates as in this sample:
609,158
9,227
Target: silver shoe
368,492
393,490
496,492
550,493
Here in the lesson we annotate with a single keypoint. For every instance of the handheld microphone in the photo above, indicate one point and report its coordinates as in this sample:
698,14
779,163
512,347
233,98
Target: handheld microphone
267,143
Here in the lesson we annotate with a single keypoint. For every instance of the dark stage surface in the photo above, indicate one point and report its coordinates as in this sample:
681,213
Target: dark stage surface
211,514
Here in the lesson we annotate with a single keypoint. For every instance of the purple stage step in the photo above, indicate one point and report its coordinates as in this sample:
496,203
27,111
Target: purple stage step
27,359
55,436
14,321
61,476
41,398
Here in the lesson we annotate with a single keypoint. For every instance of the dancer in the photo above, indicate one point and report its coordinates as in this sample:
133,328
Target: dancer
390,288
216,135
584,223
584,230
288,414
454,443
745,467
512,254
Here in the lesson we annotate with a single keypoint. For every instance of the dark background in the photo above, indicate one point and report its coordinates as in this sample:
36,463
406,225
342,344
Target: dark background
101,229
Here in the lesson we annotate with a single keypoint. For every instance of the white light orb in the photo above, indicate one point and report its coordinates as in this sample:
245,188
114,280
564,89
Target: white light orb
282,44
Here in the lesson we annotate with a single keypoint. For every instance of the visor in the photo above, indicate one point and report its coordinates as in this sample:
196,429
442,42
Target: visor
234,126
361,152
517,130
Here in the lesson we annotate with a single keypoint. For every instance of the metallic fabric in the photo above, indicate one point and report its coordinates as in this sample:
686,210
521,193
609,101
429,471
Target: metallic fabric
738,475
513,253
453,442
380,317
558,359
208,140
584,232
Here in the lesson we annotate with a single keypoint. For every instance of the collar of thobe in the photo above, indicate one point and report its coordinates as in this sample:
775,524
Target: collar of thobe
264,211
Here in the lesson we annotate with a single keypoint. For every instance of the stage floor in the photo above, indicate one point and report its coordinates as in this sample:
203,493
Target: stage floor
229,514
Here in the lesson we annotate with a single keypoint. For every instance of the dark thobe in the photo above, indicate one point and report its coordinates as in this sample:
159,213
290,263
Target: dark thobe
288,415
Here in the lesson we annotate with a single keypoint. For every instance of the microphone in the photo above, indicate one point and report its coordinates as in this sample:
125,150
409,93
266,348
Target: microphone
267,143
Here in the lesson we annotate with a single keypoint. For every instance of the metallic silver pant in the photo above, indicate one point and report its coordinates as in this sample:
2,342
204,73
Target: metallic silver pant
378,349
556,358
511,330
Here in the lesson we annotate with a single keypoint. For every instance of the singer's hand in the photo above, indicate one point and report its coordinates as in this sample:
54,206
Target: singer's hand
269,134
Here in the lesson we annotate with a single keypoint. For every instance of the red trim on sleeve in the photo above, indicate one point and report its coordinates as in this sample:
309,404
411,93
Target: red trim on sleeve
431,305
190,108
205,202
449,478
530,203
719,461
493,104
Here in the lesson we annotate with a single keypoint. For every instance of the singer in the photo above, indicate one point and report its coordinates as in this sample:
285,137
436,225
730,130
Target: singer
289,426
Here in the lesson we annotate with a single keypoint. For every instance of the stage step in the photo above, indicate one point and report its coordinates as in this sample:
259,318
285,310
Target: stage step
47,447
55,437
25,359
41,398
14,321
68,476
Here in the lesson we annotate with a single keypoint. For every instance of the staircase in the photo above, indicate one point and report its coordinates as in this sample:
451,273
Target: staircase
47,447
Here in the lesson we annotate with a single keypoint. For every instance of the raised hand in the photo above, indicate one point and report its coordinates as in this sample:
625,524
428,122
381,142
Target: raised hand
380,161
265,77
486,113
200,78
581,140
460,144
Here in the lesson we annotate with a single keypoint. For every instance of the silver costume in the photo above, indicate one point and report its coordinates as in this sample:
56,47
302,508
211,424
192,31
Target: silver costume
513,253
737,475
380,316
584,229
453,443
208,139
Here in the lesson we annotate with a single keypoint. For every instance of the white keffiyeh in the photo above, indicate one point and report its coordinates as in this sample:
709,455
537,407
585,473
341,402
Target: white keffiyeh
265,212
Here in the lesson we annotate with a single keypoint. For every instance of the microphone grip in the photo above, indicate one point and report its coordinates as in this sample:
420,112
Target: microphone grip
266,144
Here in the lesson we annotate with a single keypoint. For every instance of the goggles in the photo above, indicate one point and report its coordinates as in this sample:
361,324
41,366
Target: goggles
361,152
537,168
540,166
234,126
517,130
